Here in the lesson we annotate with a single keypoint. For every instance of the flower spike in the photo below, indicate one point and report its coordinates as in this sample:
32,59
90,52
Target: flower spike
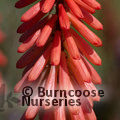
56,57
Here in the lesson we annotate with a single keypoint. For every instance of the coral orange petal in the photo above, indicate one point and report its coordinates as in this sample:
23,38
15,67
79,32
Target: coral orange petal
29,42
84,31
56,49
85,6
40,64
74,8
80,70
21,82
86,49
48,4
91,20
65,82
51,85
29,66
32,111
93,3
46,31
70,45
90,87
32,12
63,18
94,75
86,103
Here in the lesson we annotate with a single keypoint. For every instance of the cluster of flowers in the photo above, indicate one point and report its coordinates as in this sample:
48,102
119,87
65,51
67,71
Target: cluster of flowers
56,53
3,59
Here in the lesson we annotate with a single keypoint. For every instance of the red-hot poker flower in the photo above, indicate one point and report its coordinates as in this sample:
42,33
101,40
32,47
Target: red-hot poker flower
55,57
3,59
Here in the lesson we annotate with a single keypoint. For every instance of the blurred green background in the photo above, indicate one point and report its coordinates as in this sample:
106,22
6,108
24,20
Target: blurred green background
109,107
